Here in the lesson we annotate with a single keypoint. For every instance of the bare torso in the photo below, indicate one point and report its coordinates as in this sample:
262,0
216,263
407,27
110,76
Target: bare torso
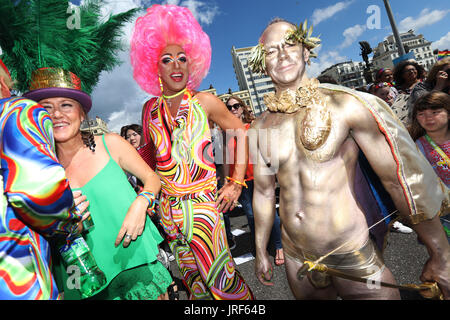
318,208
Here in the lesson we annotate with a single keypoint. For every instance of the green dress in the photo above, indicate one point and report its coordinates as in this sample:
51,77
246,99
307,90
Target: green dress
133,272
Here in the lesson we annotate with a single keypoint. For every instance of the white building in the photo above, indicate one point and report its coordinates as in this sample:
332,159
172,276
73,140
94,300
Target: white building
387,51
348,73
97,126
256,84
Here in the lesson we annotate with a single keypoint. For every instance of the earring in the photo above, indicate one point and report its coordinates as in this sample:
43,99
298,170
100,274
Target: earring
88,138
160,84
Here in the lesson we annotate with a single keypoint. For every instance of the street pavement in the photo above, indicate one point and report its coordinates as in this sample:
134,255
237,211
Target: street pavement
403,255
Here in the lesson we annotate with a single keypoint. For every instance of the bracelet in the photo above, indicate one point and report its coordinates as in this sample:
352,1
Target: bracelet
150,198
238,182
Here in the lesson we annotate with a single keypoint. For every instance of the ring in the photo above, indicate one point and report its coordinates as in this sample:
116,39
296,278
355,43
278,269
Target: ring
236,202
226,199
127,236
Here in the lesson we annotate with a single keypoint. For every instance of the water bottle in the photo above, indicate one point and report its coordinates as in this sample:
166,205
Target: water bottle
76,255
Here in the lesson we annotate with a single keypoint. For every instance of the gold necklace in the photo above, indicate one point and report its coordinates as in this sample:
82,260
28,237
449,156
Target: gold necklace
290,101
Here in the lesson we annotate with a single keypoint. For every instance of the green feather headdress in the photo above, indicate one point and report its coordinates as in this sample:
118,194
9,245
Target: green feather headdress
300,34
38,33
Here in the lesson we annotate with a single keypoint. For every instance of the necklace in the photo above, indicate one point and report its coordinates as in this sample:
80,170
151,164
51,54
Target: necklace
290,101
174,95
167,98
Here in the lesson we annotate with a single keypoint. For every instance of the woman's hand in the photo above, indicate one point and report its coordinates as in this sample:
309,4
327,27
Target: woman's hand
441,80
134,223
228,196
80,206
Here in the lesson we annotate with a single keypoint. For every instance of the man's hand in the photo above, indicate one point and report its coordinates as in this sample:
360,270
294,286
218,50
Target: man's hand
437,269
263,269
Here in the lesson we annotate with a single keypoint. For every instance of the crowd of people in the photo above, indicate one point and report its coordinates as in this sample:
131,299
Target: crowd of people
157,192
420,100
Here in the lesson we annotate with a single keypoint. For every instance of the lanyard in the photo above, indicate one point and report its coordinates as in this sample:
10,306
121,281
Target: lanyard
438,150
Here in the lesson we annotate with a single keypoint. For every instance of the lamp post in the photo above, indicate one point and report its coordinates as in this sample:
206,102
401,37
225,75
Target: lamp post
400,48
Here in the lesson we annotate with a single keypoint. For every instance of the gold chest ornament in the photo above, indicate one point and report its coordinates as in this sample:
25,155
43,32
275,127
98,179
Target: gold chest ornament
315,126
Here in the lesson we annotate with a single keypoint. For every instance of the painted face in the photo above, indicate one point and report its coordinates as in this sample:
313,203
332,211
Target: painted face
285,62
433,119
236,109
133,138
387,76
66,114
173,69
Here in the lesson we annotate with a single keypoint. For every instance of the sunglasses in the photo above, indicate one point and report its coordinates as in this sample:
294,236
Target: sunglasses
234,106
410,70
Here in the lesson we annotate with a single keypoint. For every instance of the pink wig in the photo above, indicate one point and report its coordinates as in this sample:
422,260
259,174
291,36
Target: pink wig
164,25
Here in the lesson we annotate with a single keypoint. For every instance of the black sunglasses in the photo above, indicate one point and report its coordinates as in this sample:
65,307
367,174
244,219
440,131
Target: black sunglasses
234,106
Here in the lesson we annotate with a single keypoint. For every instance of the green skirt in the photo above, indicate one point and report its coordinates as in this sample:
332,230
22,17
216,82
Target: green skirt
145,282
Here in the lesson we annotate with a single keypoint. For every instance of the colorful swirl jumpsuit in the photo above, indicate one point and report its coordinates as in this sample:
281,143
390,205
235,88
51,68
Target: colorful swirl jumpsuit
34,202
190,218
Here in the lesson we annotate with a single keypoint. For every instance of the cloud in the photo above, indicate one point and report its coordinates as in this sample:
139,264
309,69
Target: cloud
320,15
425,18
351,34
443,43
324,61
203,12
117,98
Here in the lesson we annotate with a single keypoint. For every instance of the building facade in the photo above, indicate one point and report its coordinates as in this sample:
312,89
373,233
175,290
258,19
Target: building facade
387,51
349,73
97,126
256,85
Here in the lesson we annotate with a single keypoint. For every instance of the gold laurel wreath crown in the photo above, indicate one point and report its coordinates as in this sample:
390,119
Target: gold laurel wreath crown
300,34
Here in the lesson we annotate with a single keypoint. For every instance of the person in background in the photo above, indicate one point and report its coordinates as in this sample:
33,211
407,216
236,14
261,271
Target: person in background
383,91
387,75
430,130
407,74
438,79
36,202
133,134
384,75
243,112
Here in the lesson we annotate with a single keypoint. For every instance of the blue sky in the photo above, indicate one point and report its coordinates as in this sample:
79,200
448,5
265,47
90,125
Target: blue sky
340,24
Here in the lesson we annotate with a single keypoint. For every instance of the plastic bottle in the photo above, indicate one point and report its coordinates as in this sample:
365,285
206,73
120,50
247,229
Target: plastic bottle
76,255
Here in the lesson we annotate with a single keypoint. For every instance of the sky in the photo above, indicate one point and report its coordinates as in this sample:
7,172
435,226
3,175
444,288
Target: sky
118,100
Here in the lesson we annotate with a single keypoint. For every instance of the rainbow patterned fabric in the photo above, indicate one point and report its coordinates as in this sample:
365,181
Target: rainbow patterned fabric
34,203
191,221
